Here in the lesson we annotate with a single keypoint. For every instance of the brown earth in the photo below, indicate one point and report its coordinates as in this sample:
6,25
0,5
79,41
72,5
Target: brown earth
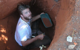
60,13
47,22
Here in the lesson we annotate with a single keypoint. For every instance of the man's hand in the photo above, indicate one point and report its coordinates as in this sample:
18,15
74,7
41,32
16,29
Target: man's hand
29,41
41,36
42,13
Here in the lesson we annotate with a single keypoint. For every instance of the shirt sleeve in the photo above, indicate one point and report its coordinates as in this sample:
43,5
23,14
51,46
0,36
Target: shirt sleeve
23,33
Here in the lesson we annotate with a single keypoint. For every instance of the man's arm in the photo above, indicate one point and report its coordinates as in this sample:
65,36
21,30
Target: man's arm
29,41
35,18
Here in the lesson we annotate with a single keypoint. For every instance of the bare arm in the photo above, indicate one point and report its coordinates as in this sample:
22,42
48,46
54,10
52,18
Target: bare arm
27,42
35,18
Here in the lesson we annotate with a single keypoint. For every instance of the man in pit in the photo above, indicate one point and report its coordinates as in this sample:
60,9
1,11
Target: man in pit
23,31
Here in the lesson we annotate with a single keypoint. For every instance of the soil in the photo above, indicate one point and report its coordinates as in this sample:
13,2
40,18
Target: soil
47,22
61,13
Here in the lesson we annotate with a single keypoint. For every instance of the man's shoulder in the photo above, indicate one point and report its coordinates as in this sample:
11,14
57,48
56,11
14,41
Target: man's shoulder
22,25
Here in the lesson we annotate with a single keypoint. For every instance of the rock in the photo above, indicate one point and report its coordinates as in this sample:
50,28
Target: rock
69,39
71,46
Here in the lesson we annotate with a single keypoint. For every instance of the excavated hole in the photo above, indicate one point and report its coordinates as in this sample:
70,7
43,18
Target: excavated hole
37,25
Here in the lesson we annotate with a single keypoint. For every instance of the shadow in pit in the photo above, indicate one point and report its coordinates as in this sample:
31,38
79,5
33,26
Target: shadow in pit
35,9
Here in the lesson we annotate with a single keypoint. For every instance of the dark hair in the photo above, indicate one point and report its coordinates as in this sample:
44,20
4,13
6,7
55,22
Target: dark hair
21,7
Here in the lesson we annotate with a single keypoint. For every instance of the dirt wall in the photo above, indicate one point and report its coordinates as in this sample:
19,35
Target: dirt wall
8,21
60,13
8,6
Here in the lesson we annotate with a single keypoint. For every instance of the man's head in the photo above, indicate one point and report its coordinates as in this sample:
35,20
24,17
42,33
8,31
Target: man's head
24,11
